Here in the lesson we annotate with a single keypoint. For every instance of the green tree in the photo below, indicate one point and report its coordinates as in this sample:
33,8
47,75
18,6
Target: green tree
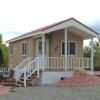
1,39
97,53
5,52
87,52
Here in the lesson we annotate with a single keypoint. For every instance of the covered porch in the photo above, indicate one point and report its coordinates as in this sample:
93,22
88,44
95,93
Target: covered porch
63,49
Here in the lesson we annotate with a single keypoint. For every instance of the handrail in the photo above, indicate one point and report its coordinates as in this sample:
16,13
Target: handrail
20,68
30,69
21,63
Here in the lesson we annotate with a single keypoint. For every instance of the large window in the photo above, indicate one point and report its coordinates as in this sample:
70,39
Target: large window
11,49
24,48
71,48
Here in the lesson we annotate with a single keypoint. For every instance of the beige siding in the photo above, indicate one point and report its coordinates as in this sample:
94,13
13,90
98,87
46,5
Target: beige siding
55,43
16,58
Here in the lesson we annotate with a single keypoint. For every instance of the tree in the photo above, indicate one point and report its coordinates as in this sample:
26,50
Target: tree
1,39
87,52
5,53
97,53
1,57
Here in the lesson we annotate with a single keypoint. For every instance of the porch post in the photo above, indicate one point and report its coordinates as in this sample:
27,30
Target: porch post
65,35
43,51
92,49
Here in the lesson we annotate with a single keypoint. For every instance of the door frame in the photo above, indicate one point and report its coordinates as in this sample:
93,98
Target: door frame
47,47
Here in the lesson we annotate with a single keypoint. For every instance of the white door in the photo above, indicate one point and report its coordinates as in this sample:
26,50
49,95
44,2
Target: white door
39,50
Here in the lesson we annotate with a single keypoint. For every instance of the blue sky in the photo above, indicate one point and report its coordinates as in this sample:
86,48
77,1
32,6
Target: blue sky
21,16
95,25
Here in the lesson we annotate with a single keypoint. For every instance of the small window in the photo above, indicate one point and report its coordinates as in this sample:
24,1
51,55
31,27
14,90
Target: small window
71,48
24,48
11,49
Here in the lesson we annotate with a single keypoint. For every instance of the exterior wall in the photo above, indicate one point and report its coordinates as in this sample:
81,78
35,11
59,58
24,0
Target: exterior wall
55,43
17,58
55,39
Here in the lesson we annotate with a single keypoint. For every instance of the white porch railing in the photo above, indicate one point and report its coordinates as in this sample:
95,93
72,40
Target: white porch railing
4,71
20,68
31,69
59,62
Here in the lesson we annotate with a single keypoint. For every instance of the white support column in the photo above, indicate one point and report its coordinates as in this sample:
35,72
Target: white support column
43,51
92,52
65,35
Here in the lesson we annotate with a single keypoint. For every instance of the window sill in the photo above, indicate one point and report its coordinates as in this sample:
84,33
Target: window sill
23,55
69,55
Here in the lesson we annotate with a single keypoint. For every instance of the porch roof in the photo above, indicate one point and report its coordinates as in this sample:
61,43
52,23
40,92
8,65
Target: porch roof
72,24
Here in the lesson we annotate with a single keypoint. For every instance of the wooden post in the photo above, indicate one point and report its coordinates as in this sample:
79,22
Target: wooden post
65,35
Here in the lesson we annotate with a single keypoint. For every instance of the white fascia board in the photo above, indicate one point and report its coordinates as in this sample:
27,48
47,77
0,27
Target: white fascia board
58,27
71,23
23,37
83,28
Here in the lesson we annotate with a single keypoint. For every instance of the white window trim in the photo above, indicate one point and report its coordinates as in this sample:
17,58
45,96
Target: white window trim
10,50
26,48
75,48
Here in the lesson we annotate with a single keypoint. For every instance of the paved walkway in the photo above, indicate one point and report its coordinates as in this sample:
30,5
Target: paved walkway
53,93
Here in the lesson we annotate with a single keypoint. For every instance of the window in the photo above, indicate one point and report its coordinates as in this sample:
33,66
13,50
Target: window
71,48
40,47
11,49
24,48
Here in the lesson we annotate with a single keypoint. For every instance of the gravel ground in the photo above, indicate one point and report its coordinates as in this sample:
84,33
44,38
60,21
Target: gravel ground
53,93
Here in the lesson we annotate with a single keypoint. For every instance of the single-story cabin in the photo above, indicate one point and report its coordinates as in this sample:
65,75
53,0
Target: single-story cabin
50,51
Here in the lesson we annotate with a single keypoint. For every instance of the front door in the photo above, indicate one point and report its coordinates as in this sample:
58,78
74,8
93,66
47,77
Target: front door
39,51
39,48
